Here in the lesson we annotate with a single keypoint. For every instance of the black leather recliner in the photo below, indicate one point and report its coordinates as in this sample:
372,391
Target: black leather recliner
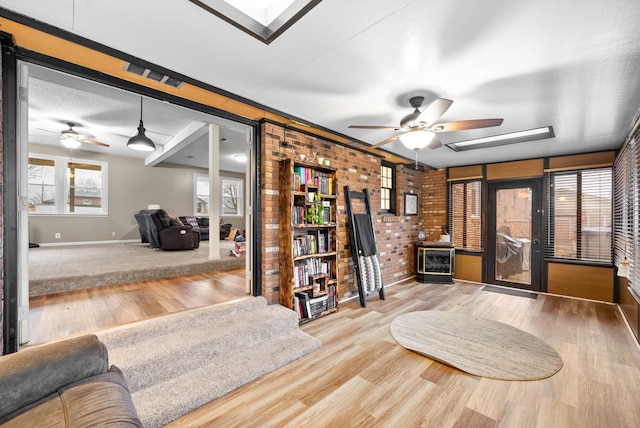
162,231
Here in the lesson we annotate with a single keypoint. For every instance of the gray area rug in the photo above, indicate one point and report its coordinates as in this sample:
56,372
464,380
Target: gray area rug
476,345
65,268
176,363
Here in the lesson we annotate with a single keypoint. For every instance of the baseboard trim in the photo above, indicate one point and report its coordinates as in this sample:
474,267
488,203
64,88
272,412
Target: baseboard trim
64,244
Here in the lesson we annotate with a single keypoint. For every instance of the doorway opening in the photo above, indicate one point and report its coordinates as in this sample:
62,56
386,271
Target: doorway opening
514,226
129,181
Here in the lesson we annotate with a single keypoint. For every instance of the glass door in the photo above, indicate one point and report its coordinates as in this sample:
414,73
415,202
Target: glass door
513,229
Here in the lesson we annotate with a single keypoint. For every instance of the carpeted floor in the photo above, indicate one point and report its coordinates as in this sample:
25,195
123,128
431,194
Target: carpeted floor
65,268
476,345
179,362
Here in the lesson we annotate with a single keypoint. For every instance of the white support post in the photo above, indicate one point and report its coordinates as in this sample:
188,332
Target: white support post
214,192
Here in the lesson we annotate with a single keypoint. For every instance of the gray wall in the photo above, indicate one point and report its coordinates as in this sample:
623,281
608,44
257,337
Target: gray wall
132,187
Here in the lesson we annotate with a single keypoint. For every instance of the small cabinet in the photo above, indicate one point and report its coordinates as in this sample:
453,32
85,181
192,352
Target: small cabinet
308,239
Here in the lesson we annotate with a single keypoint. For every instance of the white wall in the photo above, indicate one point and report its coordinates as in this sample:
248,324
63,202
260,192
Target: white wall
132,187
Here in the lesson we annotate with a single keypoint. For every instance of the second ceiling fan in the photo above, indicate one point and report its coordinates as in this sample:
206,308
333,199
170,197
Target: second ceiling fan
420,127
71,138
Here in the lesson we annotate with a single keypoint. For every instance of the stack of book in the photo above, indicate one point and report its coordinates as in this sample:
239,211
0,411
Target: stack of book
309,307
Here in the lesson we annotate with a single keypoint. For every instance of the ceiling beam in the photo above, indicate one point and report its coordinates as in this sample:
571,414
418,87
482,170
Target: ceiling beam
190,133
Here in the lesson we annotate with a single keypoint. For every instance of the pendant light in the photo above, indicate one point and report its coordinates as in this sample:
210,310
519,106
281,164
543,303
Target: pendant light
140,141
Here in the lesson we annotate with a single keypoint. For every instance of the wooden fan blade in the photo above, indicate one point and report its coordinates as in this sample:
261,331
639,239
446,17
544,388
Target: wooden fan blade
94,142
373,127
462,125
434,143
388,140
434,111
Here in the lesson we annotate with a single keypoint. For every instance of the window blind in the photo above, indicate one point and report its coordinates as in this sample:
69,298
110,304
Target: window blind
579,217
627,211
465,214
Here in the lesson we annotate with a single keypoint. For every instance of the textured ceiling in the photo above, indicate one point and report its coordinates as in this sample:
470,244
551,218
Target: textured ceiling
570,64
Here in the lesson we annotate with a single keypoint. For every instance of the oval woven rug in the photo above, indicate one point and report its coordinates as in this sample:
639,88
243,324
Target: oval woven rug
476,345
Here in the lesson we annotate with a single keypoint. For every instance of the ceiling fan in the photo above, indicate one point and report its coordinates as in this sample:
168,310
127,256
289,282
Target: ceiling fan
72,139
420,128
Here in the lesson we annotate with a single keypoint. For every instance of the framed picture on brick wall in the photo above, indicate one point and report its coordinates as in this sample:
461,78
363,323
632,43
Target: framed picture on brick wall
410,204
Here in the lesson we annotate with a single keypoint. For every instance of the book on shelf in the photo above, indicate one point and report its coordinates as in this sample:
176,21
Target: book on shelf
331,296
303,270
297,306
303,176
318,305
305,305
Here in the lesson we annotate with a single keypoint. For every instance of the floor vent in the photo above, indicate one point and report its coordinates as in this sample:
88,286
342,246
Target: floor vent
152,74
511,291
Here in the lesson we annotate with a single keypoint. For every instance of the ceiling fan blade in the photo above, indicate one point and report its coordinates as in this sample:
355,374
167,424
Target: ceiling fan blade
373,127
388,140
462,125
434,143
94,142
434,111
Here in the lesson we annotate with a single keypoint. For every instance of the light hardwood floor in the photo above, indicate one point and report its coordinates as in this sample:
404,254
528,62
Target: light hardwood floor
362,377
70,313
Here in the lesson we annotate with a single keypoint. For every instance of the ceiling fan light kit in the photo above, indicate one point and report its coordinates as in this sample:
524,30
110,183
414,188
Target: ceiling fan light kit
420,129
417,140
71,139
140,141
69,142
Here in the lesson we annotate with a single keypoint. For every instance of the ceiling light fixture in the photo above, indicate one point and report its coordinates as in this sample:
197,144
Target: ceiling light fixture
140,141
416,140
69,142
500,140
240,157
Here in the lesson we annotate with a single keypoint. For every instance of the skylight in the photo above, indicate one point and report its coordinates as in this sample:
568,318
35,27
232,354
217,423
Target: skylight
263,11
262,19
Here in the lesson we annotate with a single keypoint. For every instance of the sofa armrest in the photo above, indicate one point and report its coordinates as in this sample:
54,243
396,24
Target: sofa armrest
34,373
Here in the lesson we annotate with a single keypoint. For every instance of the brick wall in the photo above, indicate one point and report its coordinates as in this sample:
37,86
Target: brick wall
395,235
434,212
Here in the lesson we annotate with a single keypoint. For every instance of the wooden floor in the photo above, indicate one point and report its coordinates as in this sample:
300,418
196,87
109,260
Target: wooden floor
362,377
70,313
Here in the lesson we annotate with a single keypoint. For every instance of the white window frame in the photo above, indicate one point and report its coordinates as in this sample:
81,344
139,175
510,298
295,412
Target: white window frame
62,186
238,183
196,178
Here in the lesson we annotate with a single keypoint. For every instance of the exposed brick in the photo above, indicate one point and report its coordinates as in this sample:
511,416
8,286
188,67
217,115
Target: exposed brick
359,171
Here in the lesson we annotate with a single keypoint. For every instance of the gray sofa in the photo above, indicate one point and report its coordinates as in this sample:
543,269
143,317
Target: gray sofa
64,384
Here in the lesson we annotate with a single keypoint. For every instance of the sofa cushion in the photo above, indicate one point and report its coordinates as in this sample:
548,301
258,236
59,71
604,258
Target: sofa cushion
102,400
174,220
190,221
34,373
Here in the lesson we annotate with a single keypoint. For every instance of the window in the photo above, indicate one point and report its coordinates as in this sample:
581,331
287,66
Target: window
265,20
627,211
465,214
202,195
231,197
388,188
579,219
231,192
66,186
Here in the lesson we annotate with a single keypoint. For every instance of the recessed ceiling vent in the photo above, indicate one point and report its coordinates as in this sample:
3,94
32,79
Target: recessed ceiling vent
152,74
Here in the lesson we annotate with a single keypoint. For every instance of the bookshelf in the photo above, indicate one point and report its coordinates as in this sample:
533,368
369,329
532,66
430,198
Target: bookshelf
308,239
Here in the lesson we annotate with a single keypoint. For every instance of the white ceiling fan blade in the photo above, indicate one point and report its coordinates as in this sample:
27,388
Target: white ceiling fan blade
434,111
434,143
388,140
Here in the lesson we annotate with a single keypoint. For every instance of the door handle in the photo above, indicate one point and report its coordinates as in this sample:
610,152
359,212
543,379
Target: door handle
536,241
